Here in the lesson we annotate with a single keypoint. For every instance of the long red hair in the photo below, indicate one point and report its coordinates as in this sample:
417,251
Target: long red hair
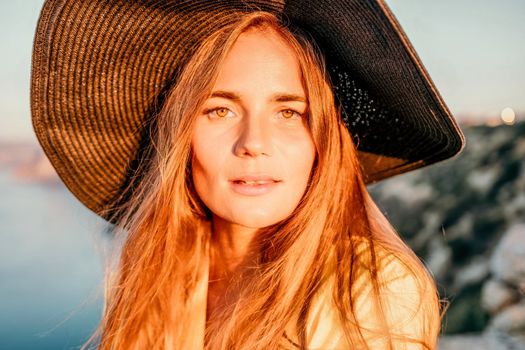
164,230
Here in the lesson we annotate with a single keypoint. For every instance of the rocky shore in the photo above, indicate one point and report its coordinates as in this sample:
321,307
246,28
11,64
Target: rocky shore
485,341
465,218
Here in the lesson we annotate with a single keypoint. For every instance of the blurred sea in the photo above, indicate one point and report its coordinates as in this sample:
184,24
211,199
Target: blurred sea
50,267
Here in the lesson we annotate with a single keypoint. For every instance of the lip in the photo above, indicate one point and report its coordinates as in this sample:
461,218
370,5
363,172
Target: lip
255,177
267,184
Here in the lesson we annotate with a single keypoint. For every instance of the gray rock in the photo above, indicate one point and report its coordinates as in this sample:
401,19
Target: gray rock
409,193
482,179
430,229
508,261
516,207
463,229
511,320
485,341
474,273
496,295
439,259
519,149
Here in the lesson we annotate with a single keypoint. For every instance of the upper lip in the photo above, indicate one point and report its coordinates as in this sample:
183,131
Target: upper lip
252,177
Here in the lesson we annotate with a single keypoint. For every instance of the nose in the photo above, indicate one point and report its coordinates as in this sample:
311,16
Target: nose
254,138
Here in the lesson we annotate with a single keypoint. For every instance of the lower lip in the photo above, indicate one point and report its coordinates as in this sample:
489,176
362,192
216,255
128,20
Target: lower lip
253,190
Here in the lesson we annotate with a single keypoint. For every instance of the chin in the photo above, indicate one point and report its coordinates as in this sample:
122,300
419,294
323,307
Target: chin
257,220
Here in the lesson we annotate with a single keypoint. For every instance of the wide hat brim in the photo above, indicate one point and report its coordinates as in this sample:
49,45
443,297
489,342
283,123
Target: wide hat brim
100,68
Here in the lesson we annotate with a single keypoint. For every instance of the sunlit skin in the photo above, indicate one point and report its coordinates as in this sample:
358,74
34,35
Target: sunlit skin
253,123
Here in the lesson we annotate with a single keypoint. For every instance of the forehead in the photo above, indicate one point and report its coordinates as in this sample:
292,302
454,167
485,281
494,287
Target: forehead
260,59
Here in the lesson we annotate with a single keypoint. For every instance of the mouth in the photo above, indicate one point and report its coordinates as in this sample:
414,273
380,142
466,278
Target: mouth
254,185
255,182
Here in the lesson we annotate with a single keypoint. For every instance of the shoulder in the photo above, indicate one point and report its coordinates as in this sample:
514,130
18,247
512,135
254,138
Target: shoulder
407,298
406,303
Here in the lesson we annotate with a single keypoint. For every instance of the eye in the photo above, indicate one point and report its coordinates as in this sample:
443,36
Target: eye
221,112
289,113
218,112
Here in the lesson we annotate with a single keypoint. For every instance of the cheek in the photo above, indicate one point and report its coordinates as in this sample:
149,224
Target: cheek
205,181
297,158
300,156
199,172
206,165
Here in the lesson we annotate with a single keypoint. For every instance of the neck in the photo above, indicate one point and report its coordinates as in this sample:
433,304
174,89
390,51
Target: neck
230,249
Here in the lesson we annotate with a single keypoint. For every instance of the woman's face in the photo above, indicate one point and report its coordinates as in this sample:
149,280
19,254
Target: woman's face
253,151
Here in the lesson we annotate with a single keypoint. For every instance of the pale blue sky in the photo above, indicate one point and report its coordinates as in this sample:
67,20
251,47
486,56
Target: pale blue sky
473,50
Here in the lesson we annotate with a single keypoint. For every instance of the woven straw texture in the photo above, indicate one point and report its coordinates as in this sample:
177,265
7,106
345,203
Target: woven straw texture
101,67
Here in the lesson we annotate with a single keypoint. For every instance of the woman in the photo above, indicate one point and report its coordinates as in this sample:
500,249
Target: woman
238,194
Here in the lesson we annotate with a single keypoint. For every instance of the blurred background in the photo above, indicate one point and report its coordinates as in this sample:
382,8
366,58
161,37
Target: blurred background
464,217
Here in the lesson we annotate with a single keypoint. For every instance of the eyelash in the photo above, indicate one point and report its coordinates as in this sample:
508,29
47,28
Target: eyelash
210,110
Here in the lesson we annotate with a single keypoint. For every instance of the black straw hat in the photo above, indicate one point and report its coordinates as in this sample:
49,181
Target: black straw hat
100,66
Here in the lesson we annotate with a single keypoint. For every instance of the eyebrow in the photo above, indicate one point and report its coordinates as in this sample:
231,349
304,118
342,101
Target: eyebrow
277,97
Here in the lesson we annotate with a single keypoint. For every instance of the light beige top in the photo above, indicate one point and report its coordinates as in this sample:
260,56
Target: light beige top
408,312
